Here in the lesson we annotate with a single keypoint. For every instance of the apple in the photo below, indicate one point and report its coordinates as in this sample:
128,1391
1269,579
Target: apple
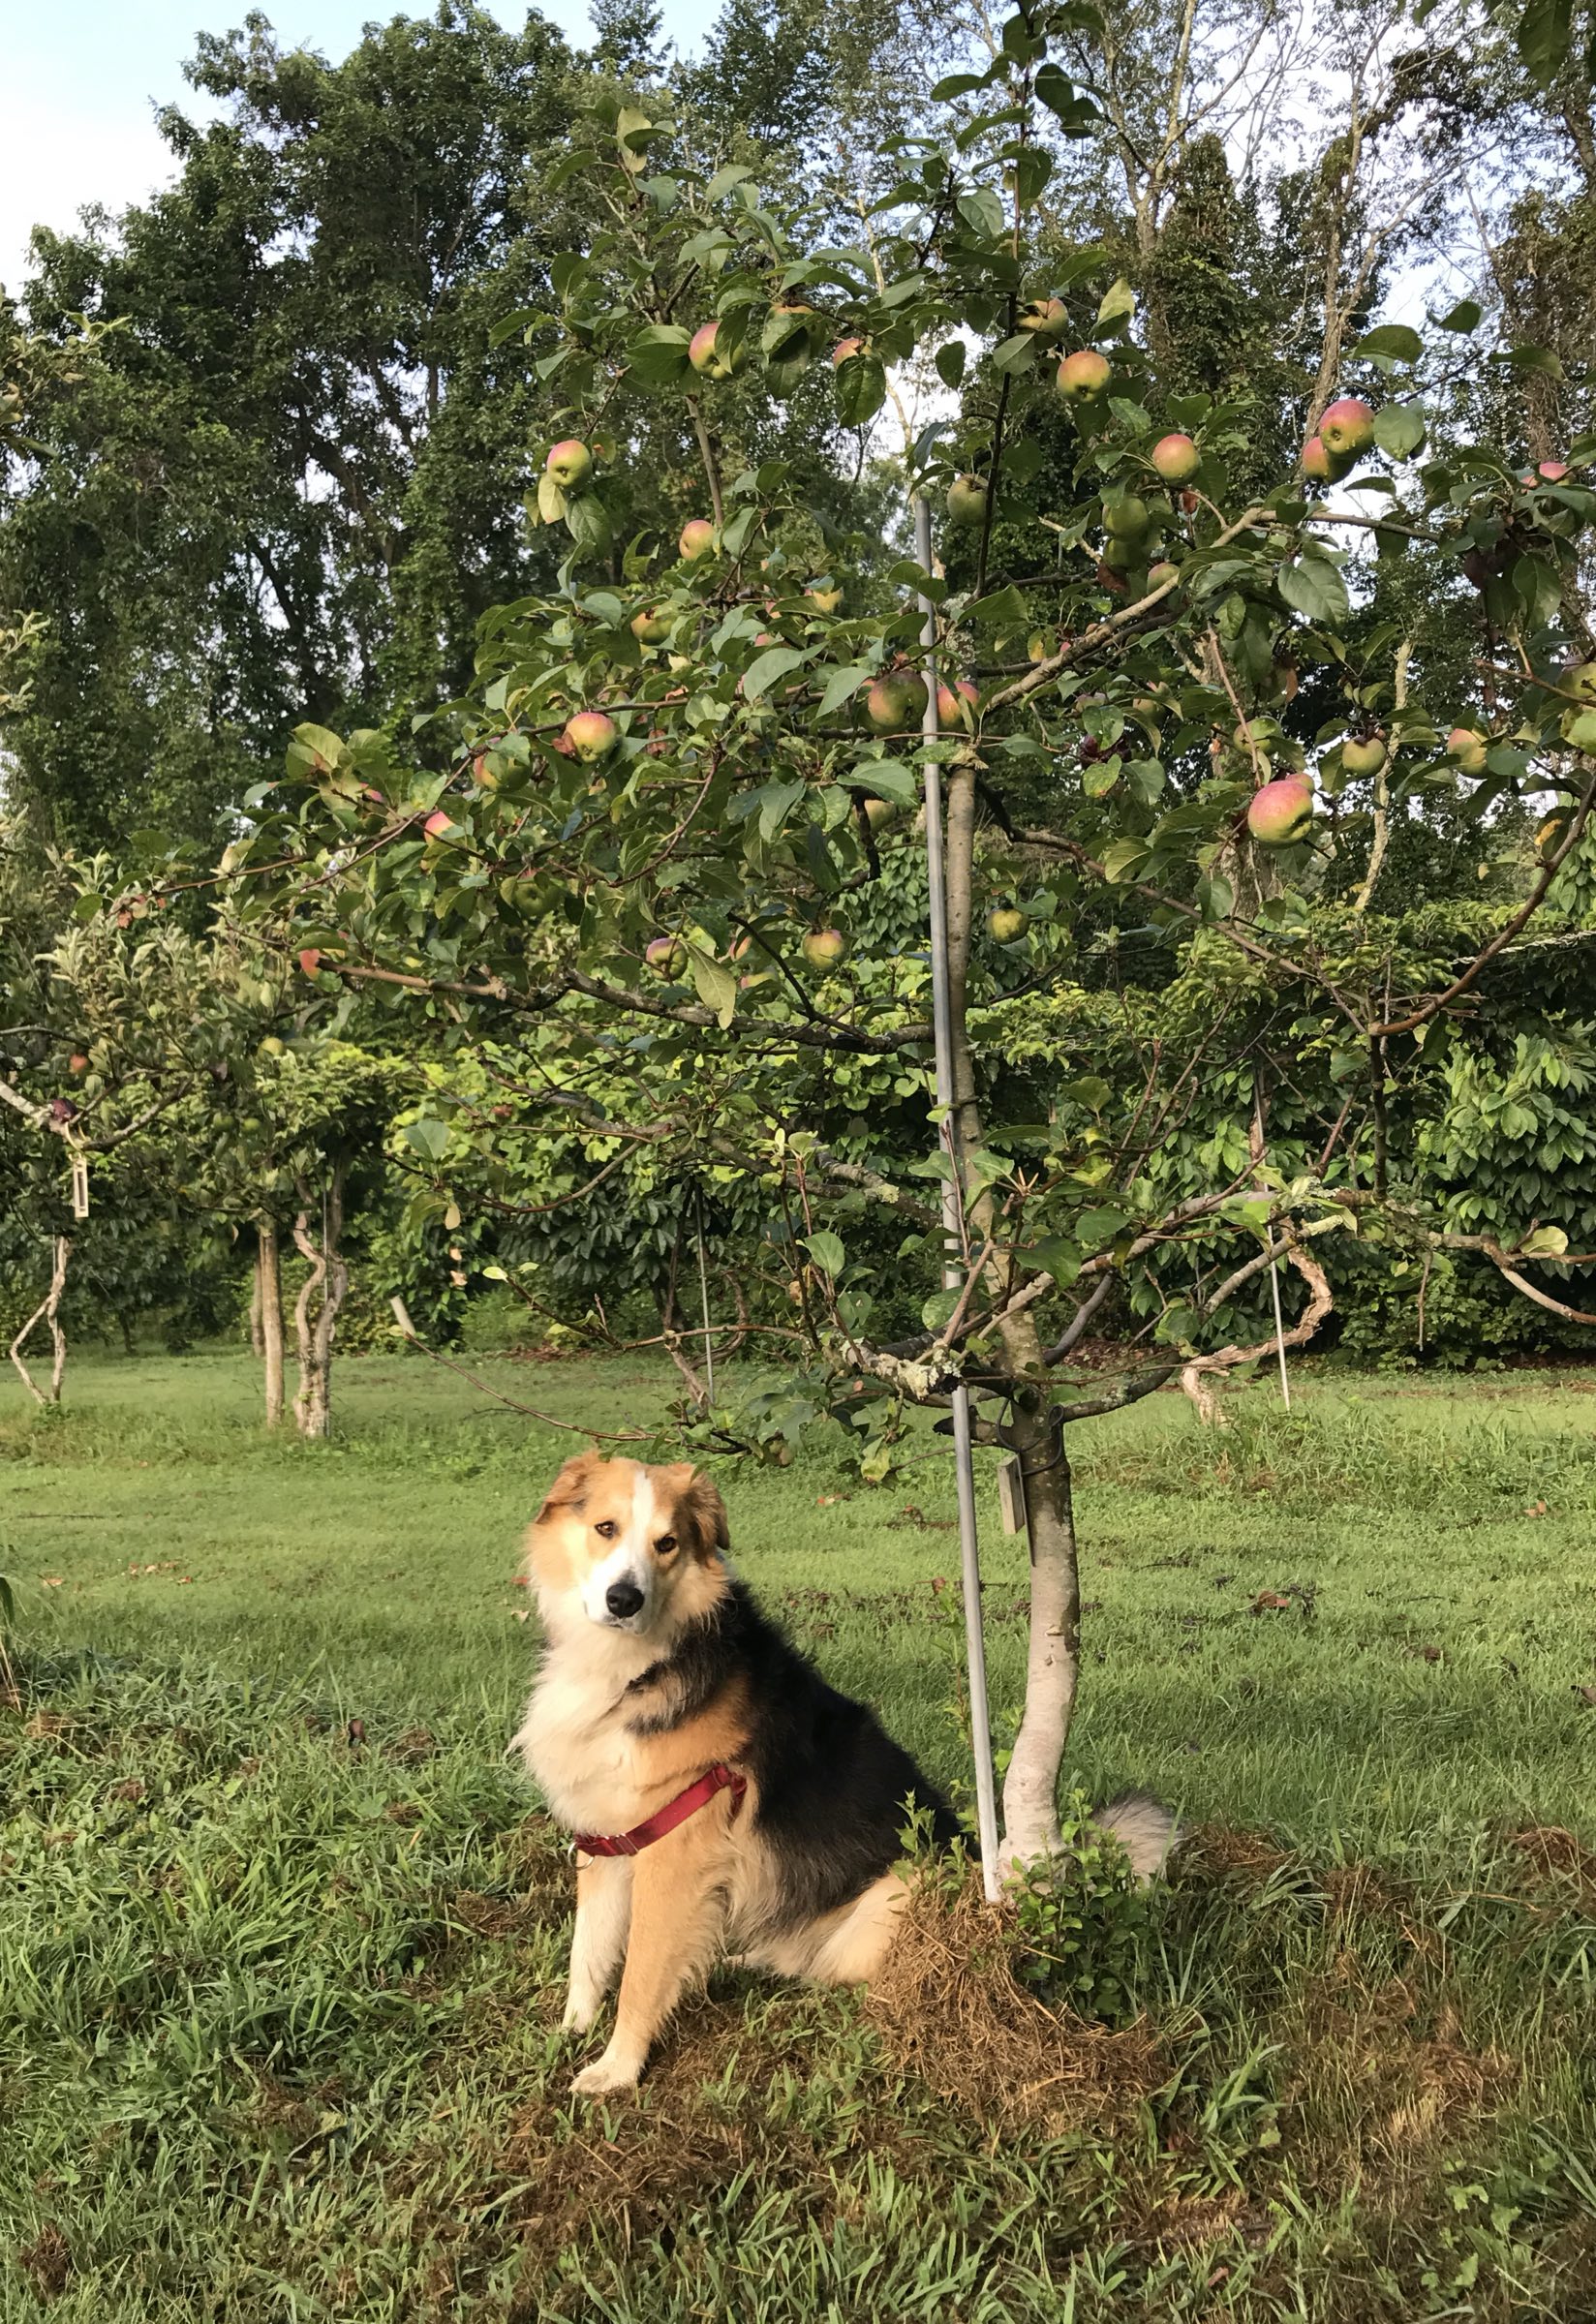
1044,317
570,463
697,539
1281,813
951,700
708,357
825,947
651,626
1365,754
1346,427
1126,519
1466,748
310,959
77,1062
824,599
438,822
271,1046
1551,471
879,813
966,500
1158,575
1083,376
1319,464
591,736
1006,925
667,957
1175,458
896,701
1125,556
843,348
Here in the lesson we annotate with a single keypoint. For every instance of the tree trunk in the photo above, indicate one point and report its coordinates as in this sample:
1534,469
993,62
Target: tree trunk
48,1311
257,1341
268,1294
315,1310
1030,1788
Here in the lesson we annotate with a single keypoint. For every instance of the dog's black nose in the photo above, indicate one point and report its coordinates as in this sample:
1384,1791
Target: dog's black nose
623,1598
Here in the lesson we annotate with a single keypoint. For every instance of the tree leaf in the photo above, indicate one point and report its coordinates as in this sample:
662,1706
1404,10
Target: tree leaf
1393,342
826,1250
1014,354
950,362
1315,589
659,354
1399,429
981,211
716,986
1465,316
861,388
940,1309
1118,299
843,684
430,1139
882,779
1544,37
763,671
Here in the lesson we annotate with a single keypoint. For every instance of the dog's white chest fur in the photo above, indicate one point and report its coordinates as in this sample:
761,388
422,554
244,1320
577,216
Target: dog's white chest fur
573,1740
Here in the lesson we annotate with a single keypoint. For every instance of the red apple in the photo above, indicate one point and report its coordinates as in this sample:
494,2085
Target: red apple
1466,748
438,822
1083,376
1281,813
845,348
667,957
1175,458
1046,319
1347,427
591,736
77,1062
570,463
709,356
1318,464
950,701
310,959
697,539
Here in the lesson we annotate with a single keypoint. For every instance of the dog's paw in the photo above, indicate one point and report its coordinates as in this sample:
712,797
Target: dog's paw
579,2015
606,2077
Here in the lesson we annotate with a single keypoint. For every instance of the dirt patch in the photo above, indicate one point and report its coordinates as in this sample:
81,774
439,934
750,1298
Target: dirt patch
47,2262
952,2012
1558,1858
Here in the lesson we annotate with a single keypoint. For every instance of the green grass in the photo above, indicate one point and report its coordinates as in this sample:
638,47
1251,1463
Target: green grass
279,2008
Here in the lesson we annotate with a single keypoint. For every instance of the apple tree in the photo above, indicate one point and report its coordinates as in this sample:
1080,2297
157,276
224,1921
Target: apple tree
674,861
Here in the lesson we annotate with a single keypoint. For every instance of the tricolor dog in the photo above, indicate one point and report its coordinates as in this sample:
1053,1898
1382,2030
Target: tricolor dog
724,1799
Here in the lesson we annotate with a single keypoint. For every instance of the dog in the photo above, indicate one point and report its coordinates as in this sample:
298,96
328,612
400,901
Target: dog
724,1800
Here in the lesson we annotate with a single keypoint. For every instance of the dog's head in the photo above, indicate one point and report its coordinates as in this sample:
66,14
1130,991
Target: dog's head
628,1547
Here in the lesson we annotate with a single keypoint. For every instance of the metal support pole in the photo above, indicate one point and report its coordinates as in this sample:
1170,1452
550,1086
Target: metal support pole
703,1295
980,1720
1274,1264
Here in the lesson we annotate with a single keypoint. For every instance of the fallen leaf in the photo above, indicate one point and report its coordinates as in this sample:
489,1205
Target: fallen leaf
1269,1602
1586,1694
131,1790
356,1734
50,1581
1427,1654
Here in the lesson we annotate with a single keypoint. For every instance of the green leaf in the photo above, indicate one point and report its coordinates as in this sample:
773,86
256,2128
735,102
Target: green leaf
861,389
1118,299
763,671
1016,353
776,800
716,986
940,1309
1546,1243
1538,589
1393,342
1538,359
1004,608
1124,859
950,362
430,1139
659,354
1399,429
957,84
1315,589
981,211
1546,36
322,742
1056,1256
882,779
588,524
1097,1227
1465,316
827,1252
843,684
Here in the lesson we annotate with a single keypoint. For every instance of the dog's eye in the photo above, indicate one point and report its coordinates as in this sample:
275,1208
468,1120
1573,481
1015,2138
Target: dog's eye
606,1529
665,1543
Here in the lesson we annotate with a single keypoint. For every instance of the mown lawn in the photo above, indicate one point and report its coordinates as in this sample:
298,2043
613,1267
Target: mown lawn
279,1993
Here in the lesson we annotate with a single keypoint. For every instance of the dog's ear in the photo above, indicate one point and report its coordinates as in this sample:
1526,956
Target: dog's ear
569,1488
700,1510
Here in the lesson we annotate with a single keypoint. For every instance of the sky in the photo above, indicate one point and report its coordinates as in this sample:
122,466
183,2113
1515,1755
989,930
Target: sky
83,80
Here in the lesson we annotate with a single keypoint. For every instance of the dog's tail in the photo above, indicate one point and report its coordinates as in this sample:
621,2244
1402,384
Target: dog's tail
1145,1828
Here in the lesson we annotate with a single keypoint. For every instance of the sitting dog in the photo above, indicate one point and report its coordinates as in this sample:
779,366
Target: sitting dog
724,1799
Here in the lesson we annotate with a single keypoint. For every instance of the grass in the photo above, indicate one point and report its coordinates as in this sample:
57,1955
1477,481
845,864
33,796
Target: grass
281,1935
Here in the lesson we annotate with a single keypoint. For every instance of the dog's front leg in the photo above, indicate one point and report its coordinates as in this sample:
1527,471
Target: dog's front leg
677,1917
604,1910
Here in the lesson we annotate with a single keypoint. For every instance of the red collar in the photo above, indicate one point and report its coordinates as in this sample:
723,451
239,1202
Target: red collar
720,1778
